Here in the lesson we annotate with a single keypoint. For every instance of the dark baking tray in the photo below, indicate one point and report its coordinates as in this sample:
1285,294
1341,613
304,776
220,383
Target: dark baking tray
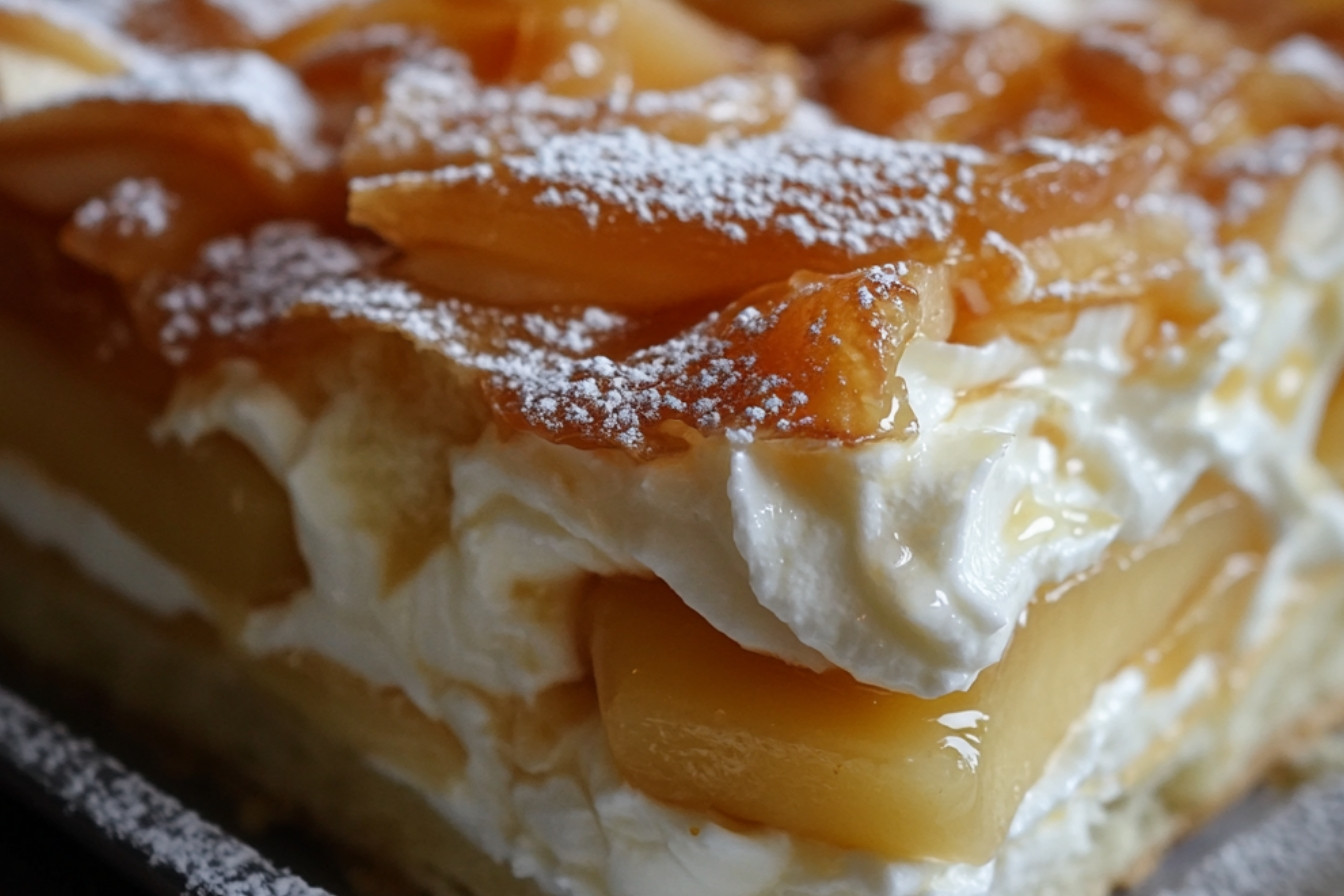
116,820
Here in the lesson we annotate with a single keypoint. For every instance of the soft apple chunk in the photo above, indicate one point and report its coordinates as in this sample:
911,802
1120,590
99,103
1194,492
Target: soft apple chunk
694,719
210,509
41,60
685,223
234,131
1330,443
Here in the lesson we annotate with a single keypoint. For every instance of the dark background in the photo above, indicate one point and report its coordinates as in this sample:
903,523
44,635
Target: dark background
37,858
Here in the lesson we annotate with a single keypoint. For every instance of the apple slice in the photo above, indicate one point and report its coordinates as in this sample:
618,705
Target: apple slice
43,56
635,220
432,116
210,509
814,358
234,131
694,719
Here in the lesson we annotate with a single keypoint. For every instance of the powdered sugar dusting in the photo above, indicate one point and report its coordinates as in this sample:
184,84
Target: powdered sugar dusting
1284,153
262,89
1096,153
249,284
268,19
572,374
843,189
434,112
134,207
82,21
130,811
1308,56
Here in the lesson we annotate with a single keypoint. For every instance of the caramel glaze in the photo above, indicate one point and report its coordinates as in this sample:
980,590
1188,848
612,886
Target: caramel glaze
1110,150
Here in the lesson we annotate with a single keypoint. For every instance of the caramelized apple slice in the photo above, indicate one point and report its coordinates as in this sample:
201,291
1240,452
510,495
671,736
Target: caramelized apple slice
485,30
211,510
41,59
136,229
1078,227
1137,259
1261,25
976,86
587,47
814,358
1180,71
670,46
1176,71
233,131
694,719
630,219
87,48
429,117
807,23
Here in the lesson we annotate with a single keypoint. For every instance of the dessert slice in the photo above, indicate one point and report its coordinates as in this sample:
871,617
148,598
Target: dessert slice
902,469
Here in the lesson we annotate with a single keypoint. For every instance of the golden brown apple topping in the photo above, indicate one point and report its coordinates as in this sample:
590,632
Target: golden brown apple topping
981,87
435,113
1048,228
1262,25
136,229
227,130
994,87
813,357
577,47
486,30
590,47
687,223
688,220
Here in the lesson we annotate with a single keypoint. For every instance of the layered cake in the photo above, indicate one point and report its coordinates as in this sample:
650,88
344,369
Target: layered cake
627,448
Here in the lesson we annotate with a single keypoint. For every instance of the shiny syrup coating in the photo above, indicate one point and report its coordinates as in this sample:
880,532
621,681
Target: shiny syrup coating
614,248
